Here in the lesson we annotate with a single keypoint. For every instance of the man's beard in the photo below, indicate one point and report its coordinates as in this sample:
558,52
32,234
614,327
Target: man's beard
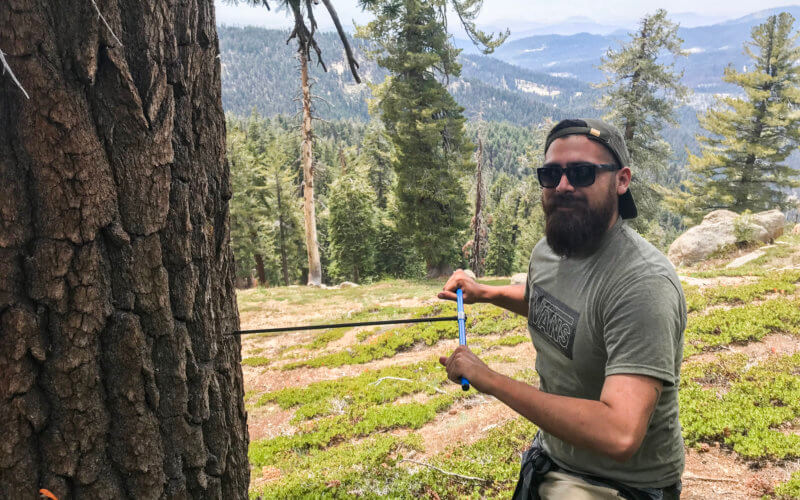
577,232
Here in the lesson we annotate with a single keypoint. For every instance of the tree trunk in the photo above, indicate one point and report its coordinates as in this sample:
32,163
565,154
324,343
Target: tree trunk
282,232
116,274
309,212
478,227
260,271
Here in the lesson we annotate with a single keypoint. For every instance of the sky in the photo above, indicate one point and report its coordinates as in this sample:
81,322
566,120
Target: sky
522,15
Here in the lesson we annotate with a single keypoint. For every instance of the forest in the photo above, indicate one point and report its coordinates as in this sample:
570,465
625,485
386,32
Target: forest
356,154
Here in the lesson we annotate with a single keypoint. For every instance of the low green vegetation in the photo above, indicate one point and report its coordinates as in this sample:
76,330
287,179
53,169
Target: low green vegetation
369,388
780,283
741,324
507,340
355,422
745,416
378,468
789,489
364,469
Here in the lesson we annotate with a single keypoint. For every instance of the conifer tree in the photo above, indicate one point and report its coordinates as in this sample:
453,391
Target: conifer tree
353,227
741,166
642,91
424,121
376,157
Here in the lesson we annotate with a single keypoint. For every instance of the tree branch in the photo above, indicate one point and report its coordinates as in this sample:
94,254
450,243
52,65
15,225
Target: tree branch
7,68
470,478
351,60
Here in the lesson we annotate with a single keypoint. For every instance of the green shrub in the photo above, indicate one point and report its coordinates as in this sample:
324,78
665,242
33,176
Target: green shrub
744,418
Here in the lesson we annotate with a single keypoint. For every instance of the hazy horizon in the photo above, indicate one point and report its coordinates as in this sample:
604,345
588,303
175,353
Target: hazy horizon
501,14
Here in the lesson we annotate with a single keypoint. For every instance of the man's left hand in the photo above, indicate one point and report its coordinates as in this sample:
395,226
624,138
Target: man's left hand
464,363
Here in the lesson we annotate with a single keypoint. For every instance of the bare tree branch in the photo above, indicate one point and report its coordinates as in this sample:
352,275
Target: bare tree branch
470,478
351,60
7,68
106,22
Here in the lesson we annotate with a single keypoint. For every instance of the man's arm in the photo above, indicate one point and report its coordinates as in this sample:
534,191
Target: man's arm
614,426
511,297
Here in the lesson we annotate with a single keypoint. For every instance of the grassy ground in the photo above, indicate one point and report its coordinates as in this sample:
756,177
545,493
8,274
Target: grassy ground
368,412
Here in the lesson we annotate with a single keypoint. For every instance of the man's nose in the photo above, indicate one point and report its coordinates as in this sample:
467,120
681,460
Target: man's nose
563,184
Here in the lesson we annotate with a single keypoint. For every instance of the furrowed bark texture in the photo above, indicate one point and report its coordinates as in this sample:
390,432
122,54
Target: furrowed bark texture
116,274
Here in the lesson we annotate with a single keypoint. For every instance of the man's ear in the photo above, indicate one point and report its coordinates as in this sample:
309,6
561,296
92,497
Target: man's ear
623,180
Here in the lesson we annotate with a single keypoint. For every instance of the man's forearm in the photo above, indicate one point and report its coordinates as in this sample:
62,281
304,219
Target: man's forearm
583,423
510,297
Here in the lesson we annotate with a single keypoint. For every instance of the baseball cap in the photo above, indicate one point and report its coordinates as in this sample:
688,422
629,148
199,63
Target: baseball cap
607,135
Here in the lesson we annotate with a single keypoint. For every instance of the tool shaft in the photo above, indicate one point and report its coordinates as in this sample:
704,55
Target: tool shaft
343,325
462,330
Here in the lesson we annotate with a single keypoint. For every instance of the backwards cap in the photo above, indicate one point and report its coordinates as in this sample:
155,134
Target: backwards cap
608,136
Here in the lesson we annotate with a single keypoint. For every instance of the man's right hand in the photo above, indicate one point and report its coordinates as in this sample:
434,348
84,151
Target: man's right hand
472,290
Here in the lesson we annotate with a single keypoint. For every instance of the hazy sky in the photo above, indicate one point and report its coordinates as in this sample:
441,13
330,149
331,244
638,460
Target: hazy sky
518,14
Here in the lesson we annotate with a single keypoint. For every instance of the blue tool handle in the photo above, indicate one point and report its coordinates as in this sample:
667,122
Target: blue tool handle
462,330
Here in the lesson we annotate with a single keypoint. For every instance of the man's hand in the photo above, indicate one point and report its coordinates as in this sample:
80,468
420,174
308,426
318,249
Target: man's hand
464,363
473,291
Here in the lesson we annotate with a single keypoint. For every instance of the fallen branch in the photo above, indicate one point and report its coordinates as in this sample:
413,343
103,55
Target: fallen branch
703,478
470,478
106,22
6,67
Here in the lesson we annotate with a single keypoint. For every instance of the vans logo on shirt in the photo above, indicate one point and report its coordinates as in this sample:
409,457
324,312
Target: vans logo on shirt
553,319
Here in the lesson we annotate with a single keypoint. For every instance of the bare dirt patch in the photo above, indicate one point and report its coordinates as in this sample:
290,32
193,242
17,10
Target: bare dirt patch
731,281
718,473
780,344
467,421
269,421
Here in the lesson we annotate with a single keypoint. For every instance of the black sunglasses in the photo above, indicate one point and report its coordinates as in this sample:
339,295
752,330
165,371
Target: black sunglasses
579,173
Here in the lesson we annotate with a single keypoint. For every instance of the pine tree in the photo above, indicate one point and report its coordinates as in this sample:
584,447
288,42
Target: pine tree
250,206
353,227
741,166
376,156
424,121
642,92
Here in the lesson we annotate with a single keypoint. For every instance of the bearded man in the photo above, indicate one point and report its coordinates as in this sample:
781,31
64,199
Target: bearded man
606,314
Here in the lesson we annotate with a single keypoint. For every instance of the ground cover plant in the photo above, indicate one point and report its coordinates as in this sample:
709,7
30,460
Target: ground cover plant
368,413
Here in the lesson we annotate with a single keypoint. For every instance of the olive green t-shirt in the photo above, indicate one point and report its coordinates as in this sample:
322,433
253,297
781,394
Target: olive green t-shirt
619,311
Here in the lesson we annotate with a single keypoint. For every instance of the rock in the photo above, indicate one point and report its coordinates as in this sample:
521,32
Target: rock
771,220
347,284
722,228
719,216
469,273
519,279
796,229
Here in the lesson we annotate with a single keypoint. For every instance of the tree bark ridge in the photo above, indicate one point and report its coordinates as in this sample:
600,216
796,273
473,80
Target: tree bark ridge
116,275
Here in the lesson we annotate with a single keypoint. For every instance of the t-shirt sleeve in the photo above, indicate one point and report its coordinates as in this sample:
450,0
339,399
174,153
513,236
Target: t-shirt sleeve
643,329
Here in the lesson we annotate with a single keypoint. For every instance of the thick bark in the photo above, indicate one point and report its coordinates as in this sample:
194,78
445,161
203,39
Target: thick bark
307,160
116,274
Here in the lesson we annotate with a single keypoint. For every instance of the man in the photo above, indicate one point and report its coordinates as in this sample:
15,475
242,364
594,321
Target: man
606,315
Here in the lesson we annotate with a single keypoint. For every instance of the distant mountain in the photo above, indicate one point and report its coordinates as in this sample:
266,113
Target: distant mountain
709,48
259,70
